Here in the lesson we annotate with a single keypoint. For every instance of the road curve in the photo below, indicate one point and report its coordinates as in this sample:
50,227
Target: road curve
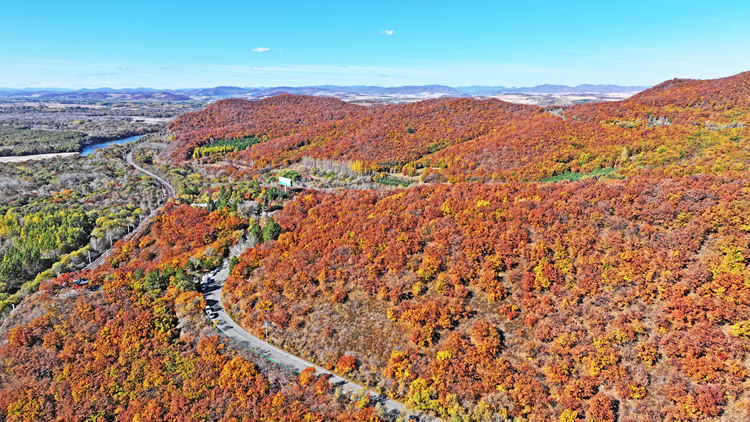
169,192
168,189
235,332
227,326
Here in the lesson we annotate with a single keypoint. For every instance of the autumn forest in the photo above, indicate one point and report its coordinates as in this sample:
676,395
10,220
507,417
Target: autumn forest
472,259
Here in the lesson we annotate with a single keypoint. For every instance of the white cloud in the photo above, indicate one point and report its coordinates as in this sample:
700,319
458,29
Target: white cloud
260,50
388,32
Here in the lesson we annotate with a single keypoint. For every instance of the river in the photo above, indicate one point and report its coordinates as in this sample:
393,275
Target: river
90,149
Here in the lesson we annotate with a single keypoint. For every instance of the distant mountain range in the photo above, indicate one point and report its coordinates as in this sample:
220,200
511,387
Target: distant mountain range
102,94
356,92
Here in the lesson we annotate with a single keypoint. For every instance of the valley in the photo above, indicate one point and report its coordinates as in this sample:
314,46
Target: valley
29,127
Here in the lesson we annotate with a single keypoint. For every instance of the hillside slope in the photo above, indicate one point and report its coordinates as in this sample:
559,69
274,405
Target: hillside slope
623,298
474,139
388,136
523,300
272,117
689,101
136,347
590,262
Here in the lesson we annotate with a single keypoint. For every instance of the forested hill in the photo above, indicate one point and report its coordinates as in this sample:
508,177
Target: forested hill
273,117
723,100
589,262
476,139
500,295
332,128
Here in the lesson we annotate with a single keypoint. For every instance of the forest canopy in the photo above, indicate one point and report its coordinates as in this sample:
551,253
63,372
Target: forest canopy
475,260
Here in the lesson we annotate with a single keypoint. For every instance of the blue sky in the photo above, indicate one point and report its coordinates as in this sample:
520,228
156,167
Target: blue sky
186,43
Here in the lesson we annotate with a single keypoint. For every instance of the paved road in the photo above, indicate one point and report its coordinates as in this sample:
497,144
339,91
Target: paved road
168,189
231,329
169,192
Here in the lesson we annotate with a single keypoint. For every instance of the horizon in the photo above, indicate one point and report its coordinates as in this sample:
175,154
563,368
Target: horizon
102,88
77,45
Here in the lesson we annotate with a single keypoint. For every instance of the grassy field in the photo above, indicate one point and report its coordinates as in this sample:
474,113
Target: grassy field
569,175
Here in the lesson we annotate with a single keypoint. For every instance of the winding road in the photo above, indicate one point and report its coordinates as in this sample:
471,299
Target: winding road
227,326
168,192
